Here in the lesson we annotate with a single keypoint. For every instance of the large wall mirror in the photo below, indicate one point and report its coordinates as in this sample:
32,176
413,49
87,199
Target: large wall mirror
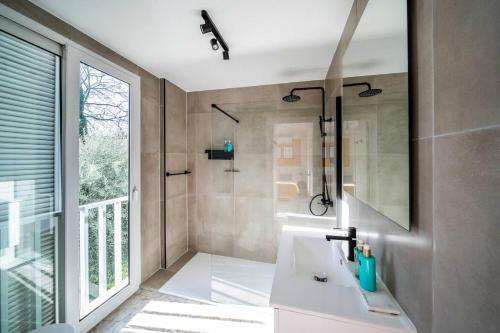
375,111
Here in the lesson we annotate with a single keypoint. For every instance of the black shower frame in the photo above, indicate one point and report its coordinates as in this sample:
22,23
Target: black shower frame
326,193
215,106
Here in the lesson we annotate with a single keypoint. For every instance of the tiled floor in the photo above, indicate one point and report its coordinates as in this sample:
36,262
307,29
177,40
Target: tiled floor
163,275
149,311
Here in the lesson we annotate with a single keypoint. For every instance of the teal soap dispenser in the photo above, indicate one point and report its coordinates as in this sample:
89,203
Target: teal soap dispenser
367,270
358,250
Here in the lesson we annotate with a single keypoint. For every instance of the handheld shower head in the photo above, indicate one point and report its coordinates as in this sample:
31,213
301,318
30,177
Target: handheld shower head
291,98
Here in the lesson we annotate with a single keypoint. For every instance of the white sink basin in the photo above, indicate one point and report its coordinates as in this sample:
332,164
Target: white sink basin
316,256
304,253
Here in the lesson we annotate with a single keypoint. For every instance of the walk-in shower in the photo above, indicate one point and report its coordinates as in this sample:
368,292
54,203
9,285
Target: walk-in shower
241,200
319,203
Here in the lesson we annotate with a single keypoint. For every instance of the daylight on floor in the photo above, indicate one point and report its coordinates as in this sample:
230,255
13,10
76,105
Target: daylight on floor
249,166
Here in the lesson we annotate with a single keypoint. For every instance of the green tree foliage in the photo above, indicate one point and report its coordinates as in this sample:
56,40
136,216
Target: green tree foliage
103,176
103,169
82,129
103,151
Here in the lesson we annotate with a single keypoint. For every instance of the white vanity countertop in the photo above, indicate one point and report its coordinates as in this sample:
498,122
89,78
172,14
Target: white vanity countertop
337,300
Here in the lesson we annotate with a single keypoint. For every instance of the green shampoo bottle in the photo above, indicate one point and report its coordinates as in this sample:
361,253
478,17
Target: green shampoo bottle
367,270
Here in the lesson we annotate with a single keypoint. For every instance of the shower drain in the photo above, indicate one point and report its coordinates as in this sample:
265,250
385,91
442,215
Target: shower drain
321,277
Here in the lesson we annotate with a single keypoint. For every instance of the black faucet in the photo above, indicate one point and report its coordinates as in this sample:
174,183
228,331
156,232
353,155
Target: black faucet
350,238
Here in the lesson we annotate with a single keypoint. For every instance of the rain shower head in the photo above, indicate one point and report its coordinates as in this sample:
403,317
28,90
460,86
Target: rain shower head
291,98
365,93
370,92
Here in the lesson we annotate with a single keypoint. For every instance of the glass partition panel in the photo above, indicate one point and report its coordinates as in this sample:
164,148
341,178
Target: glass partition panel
217,186
244,197
217,204
276,171
298,165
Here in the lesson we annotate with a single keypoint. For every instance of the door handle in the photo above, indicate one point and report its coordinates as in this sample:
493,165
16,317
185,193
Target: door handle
135,192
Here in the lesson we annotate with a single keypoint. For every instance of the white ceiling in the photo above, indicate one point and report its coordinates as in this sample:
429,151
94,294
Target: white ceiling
270,41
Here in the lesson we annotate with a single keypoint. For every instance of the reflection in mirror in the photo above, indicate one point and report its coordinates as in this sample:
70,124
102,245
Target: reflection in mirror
375,140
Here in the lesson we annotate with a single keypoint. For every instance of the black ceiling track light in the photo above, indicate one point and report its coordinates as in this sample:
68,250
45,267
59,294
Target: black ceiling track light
209,26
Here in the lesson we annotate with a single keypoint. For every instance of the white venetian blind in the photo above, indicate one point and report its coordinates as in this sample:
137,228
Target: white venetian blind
27,122
29,189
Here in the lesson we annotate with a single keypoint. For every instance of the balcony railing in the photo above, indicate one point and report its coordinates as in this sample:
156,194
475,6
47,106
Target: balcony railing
87,304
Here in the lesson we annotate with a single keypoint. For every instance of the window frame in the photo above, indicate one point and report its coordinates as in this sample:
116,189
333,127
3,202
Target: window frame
72,57
68,269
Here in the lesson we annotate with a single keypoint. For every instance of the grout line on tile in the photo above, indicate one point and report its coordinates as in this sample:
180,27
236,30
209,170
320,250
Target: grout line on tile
422,138
186,165
472,130
162,213
433,176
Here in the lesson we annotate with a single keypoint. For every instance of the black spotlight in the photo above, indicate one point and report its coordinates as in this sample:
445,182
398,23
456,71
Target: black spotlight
206,28
214,44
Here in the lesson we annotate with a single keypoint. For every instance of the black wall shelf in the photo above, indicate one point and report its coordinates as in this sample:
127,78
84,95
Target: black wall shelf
186,172
219,154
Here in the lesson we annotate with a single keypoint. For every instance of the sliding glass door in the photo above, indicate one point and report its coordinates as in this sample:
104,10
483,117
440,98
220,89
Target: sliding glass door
30,191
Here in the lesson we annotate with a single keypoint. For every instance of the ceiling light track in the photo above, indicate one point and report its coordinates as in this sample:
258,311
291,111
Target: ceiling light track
209,26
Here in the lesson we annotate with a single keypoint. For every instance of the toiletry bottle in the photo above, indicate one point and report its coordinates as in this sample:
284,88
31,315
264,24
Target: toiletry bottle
358,250
225,146
229,146
367,275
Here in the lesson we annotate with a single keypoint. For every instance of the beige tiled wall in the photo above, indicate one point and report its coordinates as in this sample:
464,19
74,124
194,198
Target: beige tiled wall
150,130
176,210
440,271
466,166
150,174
